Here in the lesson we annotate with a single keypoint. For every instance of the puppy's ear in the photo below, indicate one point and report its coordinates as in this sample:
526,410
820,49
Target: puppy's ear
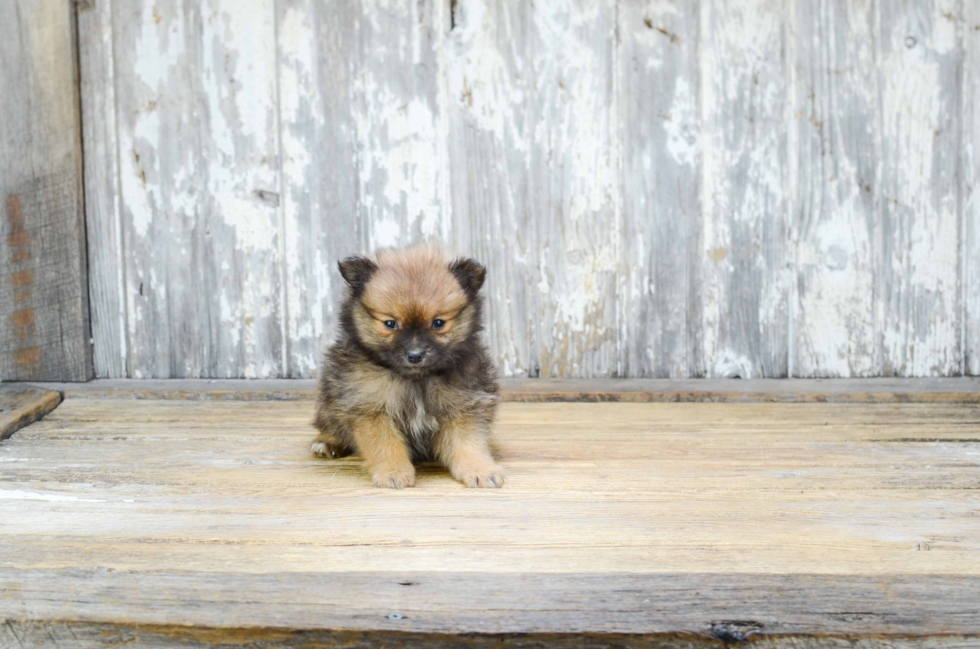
357,271
470,275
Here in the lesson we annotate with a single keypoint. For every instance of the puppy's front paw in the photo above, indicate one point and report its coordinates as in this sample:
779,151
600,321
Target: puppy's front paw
397,479
491,477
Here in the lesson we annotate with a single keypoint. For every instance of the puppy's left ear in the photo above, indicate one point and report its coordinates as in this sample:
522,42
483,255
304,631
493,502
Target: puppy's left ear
470,275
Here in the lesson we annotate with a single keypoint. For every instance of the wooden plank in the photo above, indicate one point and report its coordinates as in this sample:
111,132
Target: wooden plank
784,520
400,109
661,239
970,247
837,122
746,265
198,172
886,390
920,62
489,142
363,167
22,404
44,328
575,188
316,49
430,603
103,219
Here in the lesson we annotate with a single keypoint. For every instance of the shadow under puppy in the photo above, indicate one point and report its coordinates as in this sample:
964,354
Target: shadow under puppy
408,378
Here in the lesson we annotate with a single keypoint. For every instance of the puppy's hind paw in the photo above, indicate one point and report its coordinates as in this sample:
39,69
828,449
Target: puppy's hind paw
321,448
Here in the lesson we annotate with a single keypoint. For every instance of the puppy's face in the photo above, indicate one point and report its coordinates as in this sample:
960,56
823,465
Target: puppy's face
413,308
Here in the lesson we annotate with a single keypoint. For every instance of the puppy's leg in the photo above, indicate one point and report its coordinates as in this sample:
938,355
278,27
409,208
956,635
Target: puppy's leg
327,445
384,452
462,447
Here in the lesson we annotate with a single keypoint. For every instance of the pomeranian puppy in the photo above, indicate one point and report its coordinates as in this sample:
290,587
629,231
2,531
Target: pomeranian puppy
408,378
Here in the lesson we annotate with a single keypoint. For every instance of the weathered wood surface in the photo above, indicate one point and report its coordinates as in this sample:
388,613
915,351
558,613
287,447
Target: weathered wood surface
971,190
921,138
44,326
48,635
837,185
22,404
881,390
659,189
793,519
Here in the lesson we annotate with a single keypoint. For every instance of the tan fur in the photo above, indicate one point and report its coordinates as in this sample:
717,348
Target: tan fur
465,451
384,452
372,400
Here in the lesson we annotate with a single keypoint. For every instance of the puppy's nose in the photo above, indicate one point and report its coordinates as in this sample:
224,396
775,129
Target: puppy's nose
415,355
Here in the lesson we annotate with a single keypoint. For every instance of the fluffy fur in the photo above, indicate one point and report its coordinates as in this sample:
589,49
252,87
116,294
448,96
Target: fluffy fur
379,398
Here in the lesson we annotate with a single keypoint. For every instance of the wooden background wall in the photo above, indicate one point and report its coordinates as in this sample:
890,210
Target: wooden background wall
669,188
44,318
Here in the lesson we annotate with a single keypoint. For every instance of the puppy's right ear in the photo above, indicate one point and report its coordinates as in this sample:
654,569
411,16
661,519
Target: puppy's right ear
357,271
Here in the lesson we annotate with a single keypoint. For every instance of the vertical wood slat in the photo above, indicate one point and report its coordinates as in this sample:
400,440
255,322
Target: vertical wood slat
920,63
970,202
747,272
106,260
44,324
837,188
198,175
364,133
661,236
319,164
575,191
490,130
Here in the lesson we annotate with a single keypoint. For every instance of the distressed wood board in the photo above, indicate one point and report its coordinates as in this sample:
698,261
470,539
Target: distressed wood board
882,390
44,323
22,404
660,189
656,519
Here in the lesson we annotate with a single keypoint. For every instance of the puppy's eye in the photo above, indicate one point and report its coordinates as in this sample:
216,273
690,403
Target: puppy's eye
438,323
390,324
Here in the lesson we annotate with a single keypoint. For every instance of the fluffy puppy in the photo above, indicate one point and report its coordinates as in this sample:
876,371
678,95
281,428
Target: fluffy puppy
408,378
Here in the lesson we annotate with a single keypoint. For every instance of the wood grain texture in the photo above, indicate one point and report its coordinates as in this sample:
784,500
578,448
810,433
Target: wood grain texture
745,260
793,519
22,404
970,247
836,185
920,139
54,635
104,225
317,51
44,325
659,189
575,187
198,173
661,235
490,93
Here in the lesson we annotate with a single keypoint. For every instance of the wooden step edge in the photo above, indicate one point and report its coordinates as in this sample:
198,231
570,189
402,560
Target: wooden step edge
960,390
85,635
22,404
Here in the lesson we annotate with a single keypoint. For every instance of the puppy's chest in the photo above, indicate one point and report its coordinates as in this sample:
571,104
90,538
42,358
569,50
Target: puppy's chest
416,415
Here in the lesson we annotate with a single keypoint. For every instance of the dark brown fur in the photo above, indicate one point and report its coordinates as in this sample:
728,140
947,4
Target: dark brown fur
372,399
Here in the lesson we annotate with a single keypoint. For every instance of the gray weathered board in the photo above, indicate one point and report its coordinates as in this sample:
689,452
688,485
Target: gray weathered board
660,189
44,323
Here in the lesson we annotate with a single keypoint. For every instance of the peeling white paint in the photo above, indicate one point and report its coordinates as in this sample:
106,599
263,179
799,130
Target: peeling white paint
260,142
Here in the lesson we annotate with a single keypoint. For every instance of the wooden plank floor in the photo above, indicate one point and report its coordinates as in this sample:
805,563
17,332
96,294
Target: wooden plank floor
787,520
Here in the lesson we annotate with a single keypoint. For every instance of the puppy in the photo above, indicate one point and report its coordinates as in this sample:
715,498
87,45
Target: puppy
408,378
